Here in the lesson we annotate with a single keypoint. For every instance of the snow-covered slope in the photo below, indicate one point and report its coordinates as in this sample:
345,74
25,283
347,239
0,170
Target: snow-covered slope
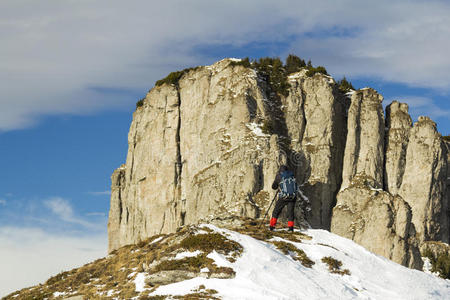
263,272
239,260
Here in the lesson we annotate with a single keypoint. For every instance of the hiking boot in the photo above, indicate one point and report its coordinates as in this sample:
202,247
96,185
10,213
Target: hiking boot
271,228
291,228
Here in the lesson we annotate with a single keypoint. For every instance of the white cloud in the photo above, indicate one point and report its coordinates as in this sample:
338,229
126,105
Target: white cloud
29,256
63,209
61,57
2,202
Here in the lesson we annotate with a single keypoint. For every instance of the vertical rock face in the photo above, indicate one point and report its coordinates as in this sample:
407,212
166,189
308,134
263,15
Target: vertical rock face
423,185
143,189
364,149
198,150
364,212
226,158
378,221
399,125
321,146
210,145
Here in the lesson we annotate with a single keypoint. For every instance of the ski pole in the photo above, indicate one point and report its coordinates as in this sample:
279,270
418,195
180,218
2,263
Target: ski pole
268,210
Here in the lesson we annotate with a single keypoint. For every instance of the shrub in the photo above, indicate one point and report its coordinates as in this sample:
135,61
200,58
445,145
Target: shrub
174,77
243,62
313,70
439,264
267,127
300,254
446,138
140,103
209,242
334,266
273,71
193,264
345,85
294,64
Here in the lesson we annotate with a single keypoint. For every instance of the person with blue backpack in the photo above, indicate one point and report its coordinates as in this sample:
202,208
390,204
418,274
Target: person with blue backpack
287,195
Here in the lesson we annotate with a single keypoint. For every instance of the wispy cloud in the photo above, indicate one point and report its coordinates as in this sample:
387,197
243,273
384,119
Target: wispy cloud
2,202
100,193
63,209
39,255
96,214
59,58
422,106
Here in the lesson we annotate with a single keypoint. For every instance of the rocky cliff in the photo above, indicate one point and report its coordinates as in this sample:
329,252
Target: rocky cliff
209,145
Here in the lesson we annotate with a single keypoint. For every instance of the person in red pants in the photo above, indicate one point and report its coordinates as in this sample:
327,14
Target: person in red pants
287,195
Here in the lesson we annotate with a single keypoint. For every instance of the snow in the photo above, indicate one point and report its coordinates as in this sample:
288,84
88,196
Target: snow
219,259
263,272
58,294
187,254
256,129
204,270
157,240
139,281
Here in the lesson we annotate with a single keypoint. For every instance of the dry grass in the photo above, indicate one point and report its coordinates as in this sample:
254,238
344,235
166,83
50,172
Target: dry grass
334,265
112,273
299,254
93,280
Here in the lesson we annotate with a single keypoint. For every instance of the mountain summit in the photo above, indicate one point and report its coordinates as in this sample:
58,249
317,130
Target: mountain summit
207,142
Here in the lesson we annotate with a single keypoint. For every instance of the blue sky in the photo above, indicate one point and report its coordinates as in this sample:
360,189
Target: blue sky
72,71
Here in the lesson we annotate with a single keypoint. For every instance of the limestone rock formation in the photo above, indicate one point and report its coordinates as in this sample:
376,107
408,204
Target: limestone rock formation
364,212
423,185
208,146
318,153
398,123
378,221
364,149
195,150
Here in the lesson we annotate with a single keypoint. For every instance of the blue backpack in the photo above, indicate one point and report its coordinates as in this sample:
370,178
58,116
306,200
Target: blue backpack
288,185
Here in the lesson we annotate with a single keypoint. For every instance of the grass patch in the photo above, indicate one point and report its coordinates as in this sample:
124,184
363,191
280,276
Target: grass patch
211,241
314,70
334,265
174,77
300,255
193,264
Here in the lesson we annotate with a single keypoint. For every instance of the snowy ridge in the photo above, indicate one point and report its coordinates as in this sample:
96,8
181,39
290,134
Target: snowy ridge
263,272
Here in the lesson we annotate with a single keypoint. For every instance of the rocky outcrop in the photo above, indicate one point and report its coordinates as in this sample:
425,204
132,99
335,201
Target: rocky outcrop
379,222
364,212
398,123
318,154
423,185
208,146
364,149
196,150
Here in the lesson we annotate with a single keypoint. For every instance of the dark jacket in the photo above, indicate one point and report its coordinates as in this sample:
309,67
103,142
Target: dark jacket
276,182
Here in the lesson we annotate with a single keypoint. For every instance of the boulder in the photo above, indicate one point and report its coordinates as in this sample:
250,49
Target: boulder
379,222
